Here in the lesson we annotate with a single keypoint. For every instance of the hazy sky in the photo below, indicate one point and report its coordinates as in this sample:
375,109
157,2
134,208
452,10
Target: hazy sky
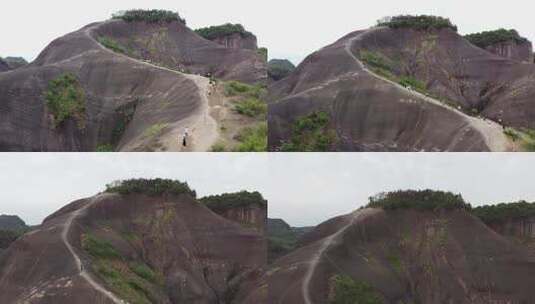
291,29
304,189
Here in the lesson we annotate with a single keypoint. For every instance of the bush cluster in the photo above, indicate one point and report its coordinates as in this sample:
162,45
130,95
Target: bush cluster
251,107
213,32
150,16
66,99
236,88
311,133
503,212
152,187
487,38
222,202
419,200
253,139
112,44
421,22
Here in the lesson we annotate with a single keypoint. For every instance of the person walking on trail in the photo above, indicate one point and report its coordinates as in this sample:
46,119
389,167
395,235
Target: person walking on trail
185,137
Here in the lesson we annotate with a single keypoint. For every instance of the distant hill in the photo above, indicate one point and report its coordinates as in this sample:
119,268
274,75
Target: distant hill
279,68
282,238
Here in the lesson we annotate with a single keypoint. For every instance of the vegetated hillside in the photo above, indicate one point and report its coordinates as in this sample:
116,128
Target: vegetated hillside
126,84
279,68
282,238
404,254
230,35
15,62
141,241
244,207
12,223
505,43
407,85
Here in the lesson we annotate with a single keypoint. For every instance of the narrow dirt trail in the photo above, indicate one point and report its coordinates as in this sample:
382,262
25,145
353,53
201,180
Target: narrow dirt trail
326,243
79,265
491,131
203,127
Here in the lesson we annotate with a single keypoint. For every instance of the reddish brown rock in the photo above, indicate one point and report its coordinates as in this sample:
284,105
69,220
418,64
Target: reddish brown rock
512,50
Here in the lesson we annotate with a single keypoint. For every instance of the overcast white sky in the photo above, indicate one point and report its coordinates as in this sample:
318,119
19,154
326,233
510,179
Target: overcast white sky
290,29
304,189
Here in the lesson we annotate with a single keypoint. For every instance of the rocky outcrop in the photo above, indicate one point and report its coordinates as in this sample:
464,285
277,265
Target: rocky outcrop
237,41
250,216
135,248
512,50
404,256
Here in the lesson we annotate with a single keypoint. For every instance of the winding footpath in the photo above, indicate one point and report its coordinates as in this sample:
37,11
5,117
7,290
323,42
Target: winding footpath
326,243
82,272
491,131
202,125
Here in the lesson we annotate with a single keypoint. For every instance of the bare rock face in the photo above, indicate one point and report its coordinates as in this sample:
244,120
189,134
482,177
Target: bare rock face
250,216
403,256
134,248
237,41
513,50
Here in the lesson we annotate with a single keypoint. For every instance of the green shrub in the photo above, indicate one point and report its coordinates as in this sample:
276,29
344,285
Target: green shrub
219,147
511,133
125,114
253,139
150,16
66,99
378,62
99,248
222,202
487,38
311,133
503,212
251,107
236,88
152,187
112,44
419,200
347,291
217,31
421,22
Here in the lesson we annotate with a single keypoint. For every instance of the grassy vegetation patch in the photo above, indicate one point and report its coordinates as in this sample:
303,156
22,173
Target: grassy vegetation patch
236,88
99,248
219,147
105,148
155,130
65,99
150,16
413,84
253,139
251,107
526,137
222,202
311,133
419,200
377,61
217,31
263,52
347,291
488,38
152,187
420,22
112,44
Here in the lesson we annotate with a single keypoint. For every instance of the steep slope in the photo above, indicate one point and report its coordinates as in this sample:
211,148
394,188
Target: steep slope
117,248
406,256
413,94
133,96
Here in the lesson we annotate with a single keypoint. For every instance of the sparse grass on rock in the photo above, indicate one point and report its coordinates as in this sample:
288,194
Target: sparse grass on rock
236,88
251,107
345,290
112,44
65,99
